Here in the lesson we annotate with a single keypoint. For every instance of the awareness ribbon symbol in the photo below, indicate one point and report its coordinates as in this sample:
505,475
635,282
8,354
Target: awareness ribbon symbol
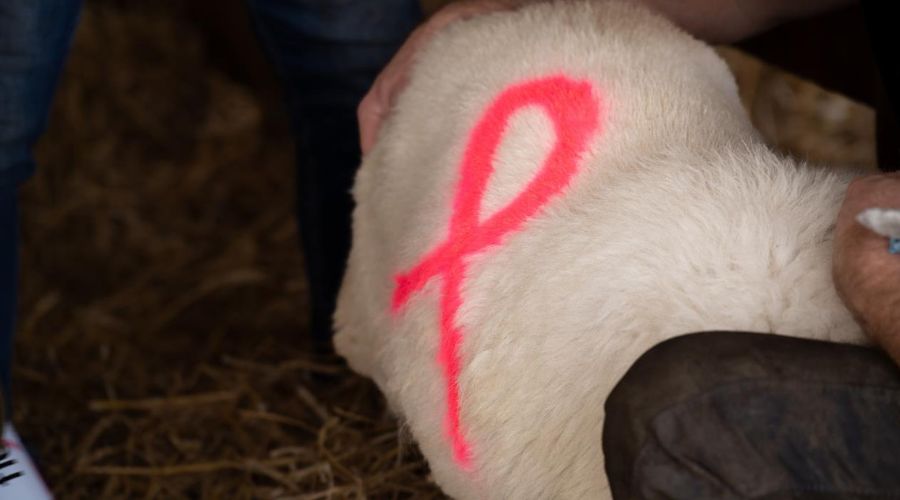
574,111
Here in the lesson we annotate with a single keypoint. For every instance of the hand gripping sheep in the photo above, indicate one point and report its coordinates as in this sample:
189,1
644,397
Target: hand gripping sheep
559,189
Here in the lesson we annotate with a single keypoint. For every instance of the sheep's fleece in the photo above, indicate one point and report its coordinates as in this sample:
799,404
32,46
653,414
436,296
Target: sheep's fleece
679,220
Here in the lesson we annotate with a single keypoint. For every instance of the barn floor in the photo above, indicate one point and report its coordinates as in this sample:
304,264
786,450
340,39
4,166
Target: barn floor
161,349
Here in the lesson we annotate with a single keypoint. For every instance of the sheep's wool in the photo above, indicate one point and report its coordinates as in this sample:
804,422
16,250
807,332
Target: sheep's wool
512,257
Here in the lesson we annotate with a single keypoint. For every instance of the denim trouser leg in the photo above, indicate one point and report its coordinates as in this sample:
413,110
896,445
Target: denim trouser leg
327,53
8,268
34,39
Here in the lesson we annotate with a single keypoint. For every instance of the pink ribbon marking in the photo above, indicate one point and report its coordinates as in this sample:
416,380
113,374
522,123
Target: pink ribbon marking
574,111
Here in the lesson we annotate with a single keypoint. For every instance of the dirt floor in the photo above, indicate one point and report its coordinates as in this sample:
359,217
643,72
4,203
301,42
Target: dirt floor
162,349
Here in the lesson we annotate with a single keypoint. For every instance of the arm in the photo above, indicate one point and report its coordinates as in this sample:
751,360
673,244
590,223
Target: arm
716,21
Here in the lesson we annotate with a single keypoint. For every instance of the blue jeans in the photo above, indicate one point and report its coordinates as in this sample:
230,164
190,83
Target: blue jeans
34,39
327,53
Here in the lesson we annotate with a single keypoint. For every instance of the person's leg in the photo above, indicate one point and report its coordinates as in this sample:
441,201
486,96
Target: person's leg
722,415
9,229
34,39
327,53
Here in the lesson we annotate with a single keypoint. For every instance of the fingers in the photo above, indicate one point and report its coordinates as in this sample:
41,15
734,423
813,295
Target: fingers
872,191
882,190
369,114
866,275
856,247
377,103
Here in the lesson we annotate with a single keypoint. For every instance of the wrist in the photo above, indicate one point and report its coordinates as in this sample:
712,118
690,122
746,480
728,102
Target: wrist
717,21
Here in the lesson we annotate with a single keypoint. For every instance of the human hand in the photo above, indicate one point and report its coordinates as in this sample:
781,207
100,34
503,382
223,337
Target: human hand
378,101
866,275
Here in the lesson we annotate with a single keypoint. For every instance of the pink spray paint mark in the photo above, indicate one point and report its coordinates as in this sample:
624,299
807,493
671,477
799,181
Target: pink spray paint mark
574,112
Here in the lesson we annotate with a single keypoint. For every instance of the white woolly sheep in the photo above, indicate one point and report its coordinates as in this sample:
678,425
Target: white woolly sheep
497,322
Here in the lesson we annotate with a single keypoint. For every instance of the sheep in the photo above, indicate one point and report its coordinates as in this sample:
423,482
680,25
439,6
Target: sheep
496,297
